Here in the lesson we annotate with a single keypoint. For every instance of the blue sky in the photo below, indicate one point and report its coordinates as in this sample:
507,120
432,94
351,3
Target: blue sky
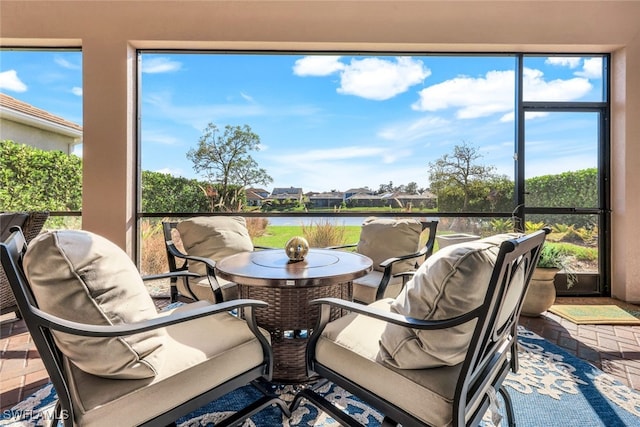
336,122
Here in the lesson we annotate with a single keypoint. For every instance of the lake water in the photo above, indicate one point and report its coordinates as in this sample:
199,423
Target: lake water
340,221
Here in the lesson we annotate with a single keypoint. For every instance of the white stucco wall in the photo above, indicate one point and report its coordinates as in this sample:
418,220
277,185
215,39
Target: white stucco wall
39,138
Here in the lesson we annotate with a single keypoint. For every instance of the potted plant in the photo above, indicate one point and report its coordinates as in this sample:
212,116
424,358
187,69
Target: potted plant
542,292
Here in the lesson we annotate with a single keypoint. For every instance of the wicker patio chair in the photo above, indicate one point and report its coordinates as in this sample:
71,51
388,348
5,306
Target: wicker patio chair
31,224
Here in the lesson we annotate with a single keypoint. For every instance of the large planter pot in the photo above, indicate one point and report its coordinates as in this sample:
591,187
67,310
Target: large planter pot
445,240
541,293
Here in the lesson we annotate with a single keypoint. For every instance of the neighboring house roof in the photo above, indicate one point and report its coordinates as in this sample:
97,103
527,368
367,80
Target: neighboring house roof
328,195
359,190
286,192
21,112
253,194
364,196
258,190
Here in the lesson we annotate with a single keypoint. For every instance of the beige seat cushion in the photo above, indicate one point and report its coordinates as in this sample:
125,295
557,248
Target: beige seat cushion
384,238
450,283
202,289
83,277
381,239
200,354
214,237
350,346
365,287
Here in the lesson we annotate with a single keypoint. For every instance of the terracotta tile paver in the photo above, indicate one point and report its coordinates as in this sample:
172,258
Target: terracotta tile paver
614,349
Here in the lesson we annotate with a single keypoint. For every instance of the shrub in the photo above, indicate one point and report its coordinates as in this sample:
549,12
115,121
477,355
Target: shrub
257,226
323,233
153,259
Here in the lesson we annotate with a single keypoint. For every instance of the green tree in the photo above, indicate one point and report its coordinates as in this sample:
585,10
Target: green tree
411,188
224,159
458,174
386,188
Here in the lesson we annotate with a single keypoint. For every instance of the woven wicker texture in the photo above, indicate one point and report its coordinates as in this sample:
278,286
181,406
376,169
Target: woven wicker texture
290,320
31,224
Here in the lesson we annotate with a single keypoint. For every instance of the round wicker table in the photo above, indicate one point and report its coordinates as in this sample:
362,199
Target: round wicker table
287,287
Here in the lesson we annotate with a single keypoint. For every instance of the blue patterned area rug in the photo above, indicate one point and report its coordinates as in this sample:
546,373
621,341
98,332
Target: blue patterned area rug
552,388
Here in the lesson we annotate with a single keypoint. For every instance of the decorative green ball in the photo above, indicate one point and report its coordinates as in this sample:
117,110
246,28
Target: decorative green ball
297,248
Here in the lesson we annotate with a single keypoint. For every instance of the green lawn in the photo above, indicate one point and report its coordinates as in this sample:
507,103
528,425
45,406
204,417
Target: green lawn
277,236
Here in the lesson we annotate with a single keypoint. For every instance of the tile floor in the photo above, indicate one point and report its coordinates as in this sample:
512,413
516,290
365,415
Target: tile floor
614,349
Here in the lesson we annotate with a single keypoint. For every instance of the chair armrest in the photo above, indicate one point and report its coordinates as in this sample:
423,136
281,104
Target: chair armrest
366,310
350,245
170,275
84,329
388,266
210,265
390,261
394,318
406,276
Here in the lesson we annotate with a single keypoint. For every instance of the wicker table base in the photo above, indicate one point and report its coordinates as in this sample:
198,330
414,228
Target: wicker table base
288,286
290,320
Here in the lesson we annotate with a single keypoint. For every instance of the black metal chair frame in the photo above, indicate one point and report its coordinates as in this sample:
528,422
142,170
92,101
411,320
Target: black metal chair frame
387,265
179,261
175,255
32,225
40,325
492,351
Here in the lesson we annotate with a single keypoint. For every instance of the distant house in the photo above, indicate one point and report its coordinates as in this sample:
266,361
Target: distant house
293,194
256,196
365,200
25,124
353,191
331,199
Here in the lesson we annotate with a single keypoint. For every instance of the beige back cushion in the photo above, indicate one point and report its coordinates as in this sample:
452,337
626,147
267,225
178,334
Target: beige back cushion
384,238
83,277
214,237
450,283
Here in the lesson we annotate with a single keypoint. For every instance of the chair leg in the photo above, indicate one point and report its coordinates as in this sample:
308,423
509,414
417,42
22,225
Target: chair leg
324,405
511,421
257,406
388,422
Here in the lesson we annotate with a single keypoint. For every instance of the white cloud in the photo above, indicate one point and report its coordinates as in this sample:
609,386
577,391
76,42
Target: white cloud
317,66
199,116
381,79
9,80
246,97
76,91
171,171
537,89
591,69
160,65
370,78
335,154
344,174
416,129
509,117
66,64
474,97
493,93
159,137
564,61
